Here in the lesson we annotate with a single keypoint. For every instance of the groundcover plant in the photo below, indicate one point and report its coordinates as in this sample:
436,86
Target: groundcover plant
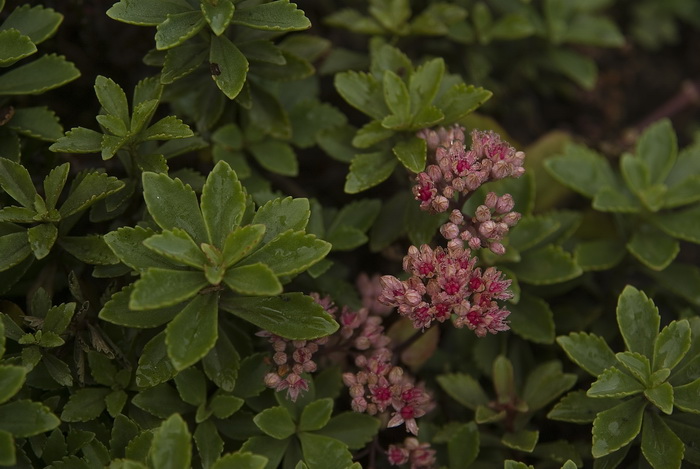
340,234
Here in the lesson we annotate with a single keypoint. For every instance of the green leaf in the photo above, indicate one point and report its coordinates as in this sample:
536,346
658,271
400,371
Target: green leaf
177,28
37,22
588,351
353,429
321,452
397,98
671,345
463,446
37,122
218,15
424,84
577,67
78,140
91,249
154,365
280,215
367,170
267,447
658,148
290,253
617,427
16,46
638,319
686,397
276,156
363,92
635,173
127,245
577,407
241,241
602,254
532,319
172,445
177,245
25,418
84,405
16,181
209,443
232,64
370,134
146,12
173,204
182,60
545,266
11,380
680,223
7,449
240,460
615,383
223,203
254,279
463,389
316,415
412,153
276,422
660,446
161,400
637,364
58,318
42,238
14,248
158,288
191,385
141,117
523,440
112,98
661,396
92,187
169,127
222,364
581,169
545,383
193,332
280,15
460,100
616,200
292,315
224,405
46,73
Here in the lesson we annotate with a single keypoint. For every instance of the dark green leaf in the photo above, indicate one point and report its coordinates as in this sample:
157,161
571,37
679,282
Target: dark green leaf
658,149
146,12
191,386
177,28
172,445
267,447
78,140
127,244
117,311
463,446
276,156
412,153
588,351
637,364
464,389
523,440
292,315
91,249
112,98
363,92
577,407
638,319
223,203
598,254
173,204
155,366
254,279
11,380
241,241
222,365
290,253
46,73
660,446
531,230
280,215
615,383
396,97
532,319
158,288
209,443
460,100
661,396
16,181
193,332
161,401
353,429
91,188
231,64
25,418
546,266
42,238
686,397
653,247
218,15
321,452
182,60
616,427
671,345
84,405
241,460
316,415
635,173
616,200
276,422
14,248
370,134
169,127
177,245
37,122
37,22
545,383
368,170
680,224
279,15
577,67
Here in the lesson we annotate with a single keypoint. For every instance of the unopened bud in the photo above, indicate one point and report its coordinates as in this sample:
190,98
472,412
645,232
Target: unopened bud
497,248
511,218
505,203
491,200
482,213
280,358
456,217
487,229
449,230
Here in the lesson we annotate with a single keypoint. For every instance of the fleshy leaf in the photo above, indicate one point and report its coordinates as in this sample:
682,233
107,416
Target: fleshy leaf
172,445
280,215
353,429
460,100
46,73
193,332
279,15
545,266
661,396
368,170
658,149
223,203
37,22
653,247
231,65
660,446
638,319
25,418
276,422
545,383
686,397
112,98
671,345
79,140
11,380
588,351
577,407
321,452
614,383
617,427
177,28
158,288
464,389
16,46
412,153
363,92
240,242
16,181
92,187
127,245
253,279
290,253
292,315
218,15
532,319
316,415
37,122
463,446
222,363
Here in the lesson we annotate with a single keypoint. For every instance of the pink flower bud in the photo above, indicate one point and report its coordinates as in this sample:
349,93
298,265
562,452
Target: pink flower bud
511,218
482,213
505,203
440,204
497,248
456,217
491,200
487,228
474,243
280,358
449,230
272,380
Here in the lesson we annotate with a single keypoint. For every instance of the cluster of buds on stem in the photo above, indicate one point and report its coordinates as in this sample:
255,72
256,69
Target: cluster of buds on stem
378,387
488,226
412,451
457,170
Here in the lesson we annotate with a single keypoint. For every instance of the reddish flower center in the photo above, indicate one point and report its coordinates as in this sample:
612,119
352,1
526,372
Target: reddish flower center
451,287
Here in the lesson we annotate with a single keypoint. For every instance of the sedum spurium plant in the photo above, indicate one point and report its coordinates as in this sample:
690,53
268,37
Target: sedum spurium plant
196,281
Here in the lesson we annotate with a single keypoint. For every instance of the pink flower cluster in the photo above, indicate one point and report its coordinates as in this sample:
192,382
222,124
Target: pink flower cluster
460,171
444,282
488,226
420,455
